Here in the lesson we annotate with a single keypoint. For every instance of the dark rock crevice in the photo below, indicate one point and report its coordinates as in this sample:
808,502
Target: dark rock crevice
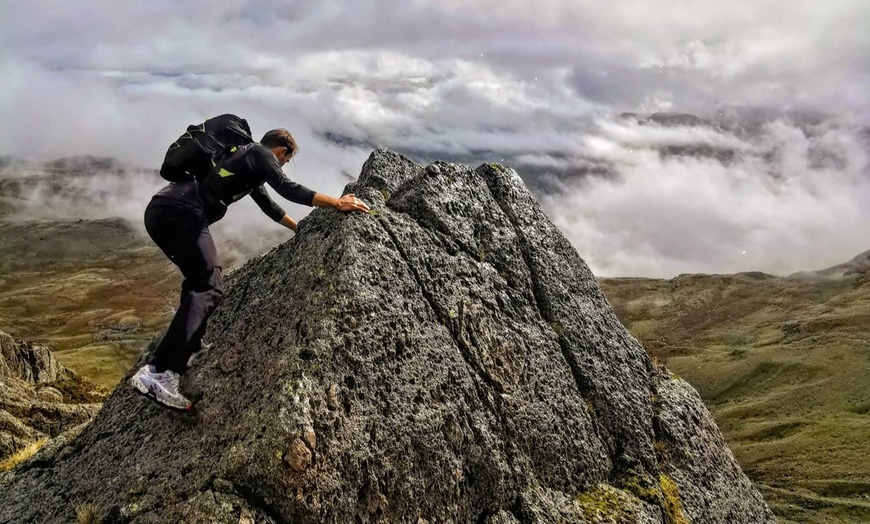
565,314
450,319
452,323
257,503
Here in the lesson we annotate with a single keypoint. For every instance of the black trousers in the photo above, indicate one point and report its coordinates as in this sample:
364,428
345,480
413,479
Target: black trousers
176,222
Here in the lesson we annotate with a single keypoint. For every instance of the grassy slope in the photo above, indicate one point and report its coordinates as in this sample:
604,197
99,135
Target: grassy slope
784,365
94,291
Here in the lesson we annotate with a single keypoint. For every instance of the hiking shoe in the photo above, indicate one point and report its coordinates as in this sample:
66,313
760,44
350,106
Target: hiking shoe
162,387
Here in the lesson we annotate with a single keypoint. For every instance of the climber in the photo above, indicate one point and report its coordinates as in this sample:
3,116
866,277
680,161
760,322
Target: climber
177,219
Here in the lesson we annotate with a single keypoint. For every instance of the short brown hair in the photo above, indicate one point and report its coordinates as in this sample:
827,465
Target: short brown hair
280,138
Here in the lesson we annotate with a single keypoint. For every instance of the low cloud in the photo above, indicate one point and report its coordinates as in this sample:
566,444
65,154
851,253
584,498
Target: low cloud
787,198
535,84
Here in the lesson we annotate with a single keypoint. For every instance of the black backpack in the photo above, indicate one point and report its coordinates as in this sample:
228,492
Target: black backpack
194,154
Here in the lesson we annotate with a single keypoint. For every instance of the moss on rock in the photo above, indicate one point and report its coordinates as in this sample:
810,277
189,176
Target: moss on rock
671,504
604,504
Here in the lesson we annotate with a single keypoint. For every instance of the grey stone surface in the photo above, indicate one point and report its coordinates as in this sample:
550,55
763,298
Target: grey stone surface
712,486
447,358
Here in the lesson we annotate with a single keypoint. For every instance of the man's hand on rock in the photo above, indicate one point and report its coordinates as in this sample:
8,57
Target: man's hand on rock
288,222
352,203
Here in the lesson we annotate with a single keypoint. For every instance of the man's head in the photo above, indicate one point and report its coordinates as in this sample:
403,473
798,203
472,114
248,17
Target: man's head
281,143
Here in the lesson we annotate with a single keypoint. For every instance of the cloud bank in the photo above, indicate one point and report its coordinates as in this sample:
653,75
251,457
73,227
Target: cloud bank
781,199
535,84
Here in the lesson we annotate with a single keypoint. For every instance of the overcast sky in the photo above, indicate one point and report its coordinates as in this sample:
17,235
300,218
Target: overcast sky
538,83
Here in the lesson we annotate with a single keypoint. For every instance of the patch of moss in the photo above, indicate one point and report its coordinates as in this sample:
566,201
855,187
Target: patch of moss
386,195
671,504
602,503
641,486
496,167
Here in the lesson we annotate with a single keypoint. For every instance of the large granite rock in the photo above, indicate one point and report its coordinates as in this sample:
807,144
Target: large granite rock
447,358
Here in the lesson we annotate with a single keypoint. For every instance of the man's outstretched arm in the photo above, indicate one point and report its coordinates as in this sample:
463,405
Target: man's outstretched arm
345,203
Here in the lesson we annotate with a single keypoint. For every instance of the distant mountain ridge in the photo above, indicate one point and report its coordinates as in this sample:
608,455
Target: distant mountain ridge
859,265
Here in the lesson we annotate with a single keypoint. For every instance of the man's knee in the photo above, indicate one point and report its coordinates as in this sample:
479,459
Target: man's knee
209,282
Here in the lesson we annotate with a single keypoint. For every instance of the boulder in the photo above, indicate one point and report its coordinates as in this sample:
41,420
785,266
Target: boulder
448,357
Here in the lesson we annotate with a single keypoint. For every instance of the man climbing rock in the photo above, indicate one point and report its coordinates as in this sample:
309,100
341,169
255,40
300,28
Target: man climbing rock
177,219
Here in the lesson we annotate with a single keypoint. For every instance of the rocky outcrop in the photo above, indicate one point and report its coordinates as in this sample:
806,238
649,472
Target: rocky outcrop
30,363
447,358
32,408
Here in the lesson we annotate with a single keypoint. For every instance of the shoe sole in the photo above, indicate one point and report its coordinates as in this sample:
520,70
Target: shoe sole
140,388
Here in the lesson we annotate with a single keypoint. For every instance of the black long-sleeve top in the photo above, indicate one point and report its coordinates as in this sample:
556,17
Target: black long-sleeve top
243,172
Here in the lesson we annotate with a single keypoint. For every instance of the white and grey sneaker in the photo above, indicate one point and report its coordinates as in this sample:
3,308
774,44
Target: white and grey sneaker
162,387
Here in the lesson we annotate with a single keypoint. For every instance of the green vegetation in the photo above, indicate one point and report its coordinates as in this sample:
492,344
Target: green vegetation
673,508
784,366
94,292
602,505
641,486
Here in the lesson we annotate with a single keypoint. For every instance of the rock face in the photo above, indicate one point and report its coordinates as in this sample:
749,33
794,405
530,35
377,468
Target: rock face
32,364
31,409
447,358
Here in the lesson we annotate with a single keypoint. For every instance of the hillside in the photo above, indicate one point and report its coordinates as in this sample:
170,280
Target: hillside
783,364
95,291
